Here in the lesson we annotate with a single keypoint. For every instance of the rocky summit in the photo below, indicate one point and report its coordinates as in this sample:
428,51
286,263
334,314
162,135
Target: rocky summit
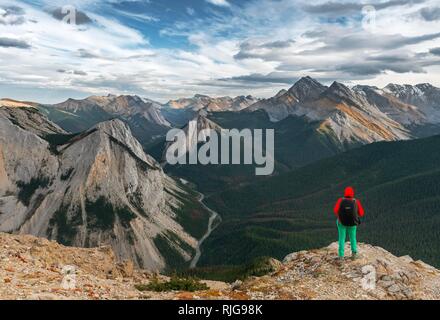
94,188
37,268
375,274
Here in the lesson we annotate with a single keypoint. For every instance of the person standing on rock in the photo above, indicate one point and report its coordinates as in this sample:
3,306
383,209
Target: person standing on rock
348,210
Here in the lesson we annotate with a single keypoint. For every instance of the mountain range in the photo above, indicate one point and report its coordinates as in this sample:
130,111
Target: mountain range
360,114
93,188
142,115
345,116
180,111
313,121
90,172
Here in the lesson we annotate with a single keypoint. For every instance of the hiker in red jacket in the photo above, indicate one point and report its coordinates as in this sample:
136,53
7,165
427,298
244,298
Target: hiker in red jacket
348,210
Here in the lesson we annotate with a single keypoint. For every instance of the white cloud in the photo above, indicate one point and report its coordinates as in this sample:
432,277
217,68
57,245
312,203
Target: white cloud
221,3
254,49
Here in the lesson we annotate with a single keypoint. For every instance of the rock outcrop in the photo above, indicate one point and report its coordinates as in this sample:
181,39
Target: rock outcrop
39,269
375,274
36,268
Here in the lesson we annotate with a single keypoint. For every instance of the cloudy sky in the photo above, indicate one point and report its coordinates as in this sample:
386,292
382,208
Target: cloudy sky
163,49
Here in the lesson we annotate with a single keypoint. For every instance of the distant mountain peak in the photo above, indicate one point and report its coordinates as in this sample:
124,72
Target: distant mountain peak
306,81
338,86
201,96
10,103
361,87
395,86
112,123
341,91
280,93
424,96
204,123
419,85
100,183
425,86
211,104
306,88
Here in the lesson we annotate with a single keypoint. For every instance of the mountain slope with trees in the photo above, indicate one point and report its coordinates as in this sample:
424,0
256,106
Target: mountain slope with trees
396,181
94,188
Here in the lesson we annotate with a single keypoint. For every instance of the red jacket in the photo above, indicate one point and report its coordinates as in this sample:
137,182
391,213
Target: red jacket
349,193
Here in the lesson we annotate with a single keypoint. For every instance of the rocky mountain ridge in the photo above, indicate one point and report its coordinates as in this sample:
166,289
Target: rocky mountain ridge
39,269
344,115
349,116
142,115
180,111
424,96
210,104
123,105
93,188
359,115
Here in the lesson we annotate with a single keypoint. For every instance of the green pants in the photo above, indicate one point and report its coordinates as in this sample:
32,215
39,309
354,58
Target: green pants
342,232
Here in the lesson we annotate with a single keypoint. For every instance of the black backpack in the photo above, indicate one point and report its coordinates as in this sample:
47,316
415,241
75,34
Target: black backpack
348,212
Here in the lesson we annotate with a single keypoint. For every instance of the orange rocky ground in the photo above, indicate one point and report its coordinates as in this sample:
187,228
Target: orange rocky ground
36,268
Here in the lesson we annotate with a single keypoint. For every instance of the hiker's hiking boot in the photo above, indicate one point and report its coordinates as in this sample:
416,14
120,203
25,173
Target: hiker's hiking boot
339,261
354,256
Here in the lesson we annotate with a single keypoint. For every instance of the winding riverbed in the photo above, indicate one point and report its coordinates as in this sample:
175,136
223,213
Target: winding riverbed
212,218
